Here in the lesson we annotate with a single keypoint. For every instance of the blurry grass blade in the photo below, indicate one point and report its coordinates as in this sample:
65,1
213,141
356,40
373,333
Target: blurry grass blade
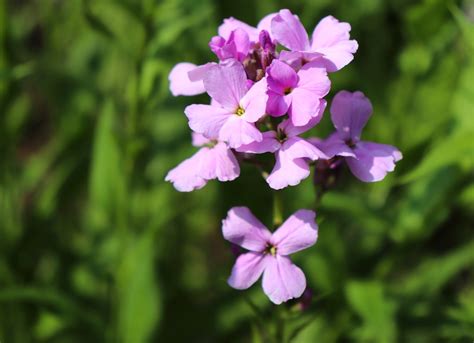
94,22
139,306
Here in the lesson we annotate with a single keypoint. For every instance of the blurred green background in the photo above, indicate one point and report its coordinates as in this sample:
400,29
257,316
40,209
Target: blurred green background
95,246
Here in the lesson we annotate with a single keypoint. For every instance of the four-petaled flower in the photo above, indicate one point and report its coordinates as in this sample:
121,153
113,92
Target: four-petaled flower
268,252
235,109
368,161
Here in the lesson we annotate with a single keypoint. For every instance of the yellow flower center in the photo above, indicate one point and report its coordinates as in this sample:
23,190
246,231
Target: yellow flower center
240,111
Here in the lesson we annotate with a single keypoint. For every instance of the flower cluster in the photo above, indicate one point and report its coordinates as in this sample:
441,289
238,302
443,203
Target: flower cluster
262,99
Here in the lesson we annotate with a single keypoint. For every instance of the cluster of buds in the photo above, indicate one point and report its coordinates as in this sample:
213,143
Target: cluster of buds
262,100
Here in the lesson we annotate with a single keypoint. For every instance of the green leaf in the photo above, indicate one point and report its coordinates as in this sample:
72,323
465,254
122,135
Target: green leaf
375,309
140,306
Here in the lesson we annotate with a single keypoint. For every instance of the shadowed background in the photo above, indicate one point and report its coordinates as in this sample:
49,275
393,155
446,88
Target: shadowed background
95,246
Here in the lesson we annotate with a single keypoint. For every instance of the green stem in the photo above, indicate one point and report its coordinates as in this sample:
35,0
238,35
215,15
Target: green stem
277,210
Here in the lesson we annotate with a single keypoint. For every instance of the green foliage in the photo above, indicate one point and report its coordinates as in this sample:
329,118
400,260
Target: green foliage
95,246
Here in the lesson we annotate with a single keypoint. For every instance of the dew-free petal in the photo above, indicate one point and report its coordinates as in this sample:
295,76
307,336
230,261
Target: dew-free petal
184,177
255,101
298,232
281,77
242,228
349,114
289,32
373,161
247,270
236,131
331,38
282,280
180,84
227,84
269,143
207,119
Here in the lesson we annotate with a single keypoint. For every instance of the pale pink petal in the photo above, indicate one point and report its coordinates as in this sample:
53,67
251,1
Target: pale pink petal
331,38
236,131
269,143
226,165
281,77
334,146
200,72
247,270
298,232
242,228
180,84
291,130
230,24
304,107
282,280
226,83
184,177
296,59
297,147
255,101
314,78
199,140
373,161
206,119
266,24
287,29
349,114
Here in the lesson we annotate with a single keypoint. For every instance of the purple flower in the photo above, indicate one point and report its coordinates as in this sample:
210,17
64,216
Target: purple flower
330,39
368,161
180,84
300,94
292,153
268,253
234,110
213,161
230,24
236,46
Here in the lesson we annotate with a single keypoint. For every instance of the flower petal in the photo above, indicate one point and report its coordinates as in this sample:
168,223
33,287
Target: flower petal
226,83
180,84
281,77
331,38
255,101
289,32
207,119
298,232
292,130
304,107
242,228
269,143
230,24
226,166
291,167
266,23
334,146
314,78
236,131
247,270
349,114
199,140
282,280
184,177
373,161
277,104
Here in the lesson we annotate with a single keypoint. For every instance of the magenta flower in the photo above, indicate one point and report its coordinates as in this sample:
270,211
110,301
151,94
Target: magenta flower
236,46
234,110
292,153
300,94
213,161
231,24
368,161
330,39
268,253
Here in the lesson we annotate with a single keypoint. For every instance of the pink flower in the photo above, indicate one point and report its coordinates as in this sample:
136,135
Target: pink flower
230,24
268,253
187,78
237,46
292,153
330,39
232,118
368,161
213,161
300,94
